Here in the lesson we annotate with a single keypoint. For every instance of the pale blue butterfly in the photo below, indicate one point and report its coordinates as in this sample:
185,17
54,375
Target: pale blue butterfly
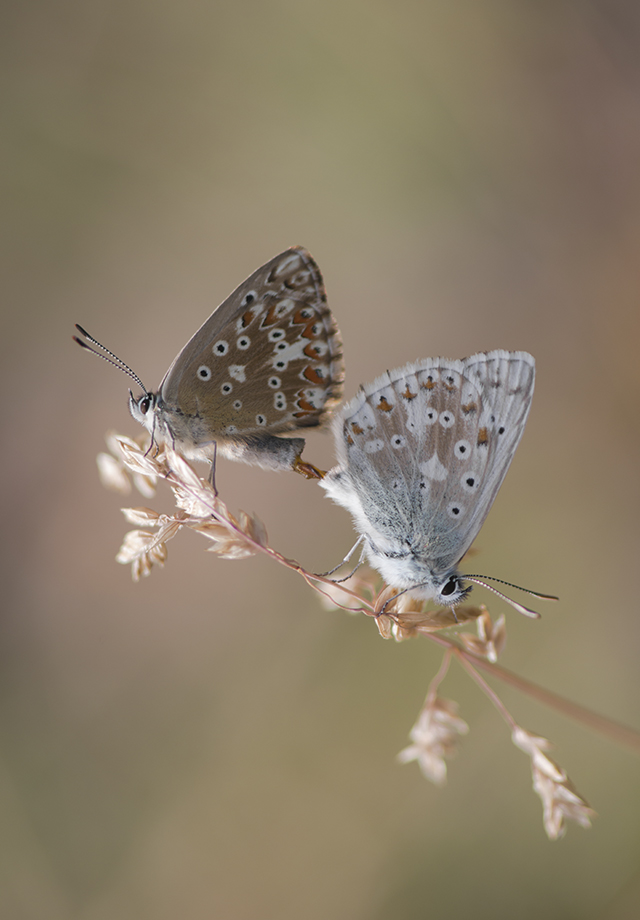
422,452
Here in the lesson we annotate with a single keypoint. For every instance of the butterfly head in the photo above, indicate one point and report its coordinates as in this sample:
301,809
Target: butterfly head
408,570
445,591
451,591
143,408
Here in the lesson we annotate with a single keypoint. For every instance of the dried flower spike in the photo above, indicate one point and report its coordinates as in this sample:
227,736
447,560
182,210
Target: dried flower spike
560,801
112,466
435,736
491,638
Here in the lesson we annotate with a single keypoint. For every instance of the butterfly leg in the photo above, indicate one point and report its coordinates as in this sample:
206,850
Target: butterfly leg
307,469
395,597
212,471
390,600
337,581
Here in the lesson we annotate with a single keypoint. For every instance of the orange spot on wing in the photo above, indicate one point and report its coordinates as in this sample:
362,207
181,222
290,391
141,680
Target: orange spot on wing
408,394
312,351
299,319
384,405
356,428
483,437
312,331
469,407
313,375
304,404
270,318
429,384
247,318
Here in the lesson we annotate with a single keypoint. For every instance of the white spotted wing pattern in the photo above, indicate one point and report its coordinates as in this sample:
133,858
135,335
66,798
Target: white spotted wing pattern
422,452
267,361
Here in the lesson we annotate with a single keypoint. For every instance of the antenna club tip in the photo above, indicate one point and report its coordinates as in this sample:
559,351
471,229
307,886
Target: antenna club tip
107,356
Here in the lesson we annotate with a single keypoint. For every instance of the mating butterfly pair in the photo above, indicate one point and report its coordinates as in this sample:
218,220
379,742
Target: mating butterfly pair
422,451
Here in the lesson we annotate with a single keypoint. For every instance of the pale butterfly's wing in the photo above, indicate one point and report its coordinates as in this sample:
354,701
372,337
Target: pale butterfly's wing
268,359
426,448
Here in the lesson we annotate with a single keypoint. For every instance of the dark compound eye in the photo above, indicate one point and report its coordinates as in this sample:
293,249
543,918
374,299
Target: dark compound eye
144,404
450,587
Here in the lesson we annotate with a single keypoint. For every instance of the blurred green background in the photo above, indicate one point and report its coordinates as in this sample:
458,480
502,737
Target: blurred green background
211,743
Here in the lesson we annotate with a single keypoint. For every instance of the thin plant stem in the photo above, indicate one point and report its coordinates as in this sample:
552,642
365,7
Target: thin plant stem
439,677
616,731
486,689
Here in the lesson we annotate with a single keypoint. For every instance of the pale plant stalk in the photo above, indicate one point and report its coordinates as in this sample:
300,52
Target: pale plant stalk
436,733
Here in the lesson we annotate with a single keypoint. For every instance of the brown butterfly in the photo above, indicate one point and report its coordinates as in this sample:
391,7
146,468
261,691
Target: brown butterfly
267,361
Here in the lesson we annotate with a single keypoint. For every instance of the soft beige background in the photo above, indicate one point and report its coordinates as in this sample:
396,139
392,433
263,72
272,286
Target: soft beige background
210,743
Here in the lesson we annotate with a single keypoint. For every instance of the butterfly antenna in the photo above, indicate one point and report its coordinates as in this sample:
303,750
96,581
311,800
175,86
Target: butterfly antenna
525,611
510,584
112,359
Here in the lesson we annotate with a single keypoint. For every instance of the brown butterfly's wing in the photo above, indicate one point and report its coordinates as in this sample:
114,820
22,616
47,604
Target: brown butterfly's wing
268,359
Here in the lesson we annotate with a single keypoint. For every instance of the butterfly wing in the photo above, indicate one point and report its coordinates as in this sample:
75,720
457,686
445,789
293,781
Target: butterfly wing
269,358
426,448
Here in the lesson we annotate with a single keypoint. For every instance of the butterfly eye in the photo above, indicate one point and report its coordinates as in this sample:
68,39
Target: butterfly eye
450,587
144,404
